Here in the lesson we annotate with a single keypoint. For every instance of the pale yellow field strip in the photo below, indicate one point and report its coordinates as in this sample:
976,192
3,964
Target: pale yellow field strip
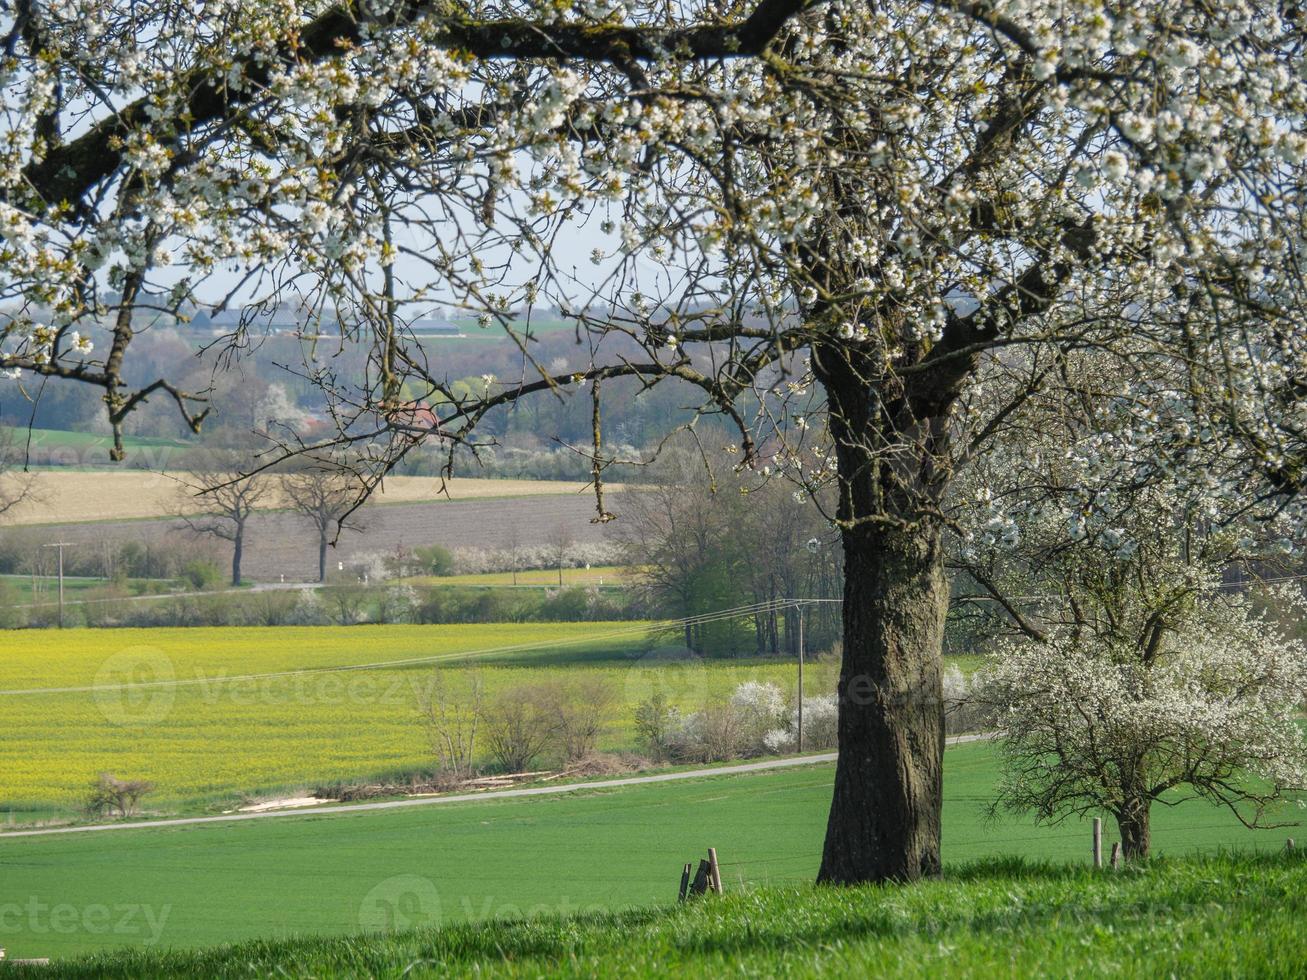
77,496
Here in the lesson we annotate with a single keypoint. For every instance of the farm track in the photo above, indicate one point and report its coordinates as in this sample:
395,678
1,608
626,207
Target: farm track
282,543
330,810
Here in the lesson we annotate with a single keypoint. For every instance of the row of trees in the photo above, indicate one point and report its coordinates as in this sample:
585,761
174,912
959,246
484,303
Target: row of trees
228,498
700,543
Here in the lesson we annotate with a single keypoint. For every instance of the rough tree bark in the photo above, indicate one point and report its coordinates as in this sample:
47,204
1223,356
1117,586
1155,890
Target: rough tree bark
884,822
1132,819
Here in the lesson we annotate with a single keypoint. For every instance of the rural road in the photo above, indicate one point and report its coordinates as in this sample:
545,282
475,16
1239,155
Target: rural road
326,811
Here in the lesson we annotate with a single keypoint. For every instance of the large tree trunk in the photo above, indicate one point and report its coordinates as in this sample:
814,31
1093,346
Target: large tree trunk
322,556
1136,835
884,820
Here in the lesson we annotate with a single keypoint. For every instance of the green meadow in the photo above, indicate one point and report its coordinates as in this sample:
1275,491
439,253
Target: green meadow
596,851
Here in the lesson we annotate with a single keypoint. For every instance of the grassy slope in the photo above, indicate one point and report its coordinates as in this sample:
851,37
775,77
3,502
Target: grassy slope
1227,916
599,849
218,736
66,439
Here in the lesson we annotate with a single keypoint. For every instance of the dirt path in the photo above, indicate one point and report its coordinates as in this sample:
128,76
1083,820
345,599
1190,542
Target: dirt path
666,777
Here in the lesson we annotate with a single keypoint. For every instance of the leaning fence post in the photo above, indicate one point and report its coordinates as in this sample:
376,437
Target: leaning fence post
1098,842
714,871
1116,853
701,878
685,881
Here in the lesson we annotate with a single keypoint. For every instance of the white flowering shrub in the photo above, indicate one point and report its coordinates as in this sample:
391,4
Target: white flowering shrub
1209,708
820,727
308,610
730,729
759,705
713,734
397,604
477,561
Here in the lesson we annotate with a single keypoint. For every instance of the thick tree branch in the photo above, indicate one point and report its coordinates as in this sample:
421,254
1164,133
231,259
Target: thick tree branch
70,171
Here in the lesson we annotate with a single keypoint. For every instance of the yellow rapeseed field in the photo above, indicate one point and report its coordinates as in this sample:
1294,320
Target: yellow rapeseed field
212,715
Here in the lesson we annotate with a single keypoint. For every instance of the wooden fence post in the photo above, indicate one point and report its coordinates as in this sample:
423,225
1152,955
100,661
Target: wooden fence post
1288,845
1098,842
714,871
1116,853
700,884
685,882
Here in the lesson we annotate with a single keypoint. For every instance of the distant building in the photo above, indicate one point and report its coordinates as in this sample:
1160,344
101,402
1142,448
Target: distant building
280,320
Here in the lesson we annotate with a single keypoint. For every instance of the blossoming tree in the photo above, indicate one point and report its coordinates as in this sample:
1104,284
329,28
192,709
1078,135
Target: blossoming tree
826,220
1156,685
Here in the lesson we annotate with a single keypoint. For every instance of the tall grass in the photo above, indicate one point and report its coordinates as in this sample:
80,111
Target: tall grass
1230,915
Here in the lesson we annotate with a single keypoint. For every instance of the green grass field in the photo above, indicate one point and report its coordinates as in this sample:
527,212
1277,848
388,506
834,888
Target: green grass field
18,589
595,850
64,447
600,575
1228,916
212,714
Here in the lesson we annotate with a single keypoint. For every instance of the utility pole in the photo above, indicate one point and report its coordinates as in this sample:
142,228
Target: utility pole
61,545
800,717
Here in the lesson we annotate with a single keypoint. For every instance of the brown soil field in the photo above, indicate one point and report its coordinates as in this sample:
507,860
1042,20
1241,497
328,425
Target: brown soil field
281,545
80,496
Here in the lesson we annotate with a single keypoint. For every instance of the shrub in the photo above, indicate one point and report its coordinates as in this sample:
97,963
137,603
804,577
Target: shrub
452,715
711,735
201,574
346,605
657,723
111,796
820,727
581,709
435,559
271,608
759,707
519,725
963,713
397,604
308,610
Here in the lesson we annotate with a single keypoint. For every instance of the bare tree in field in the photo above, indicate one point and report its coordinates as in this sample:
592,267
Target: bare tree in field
228,498
16,485
561,542
452,711
513,548
326,496
828,224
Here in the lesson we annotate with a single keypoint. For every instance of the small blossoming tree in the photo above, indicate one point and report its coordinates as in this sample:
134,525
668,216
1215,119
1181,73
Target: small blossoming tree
1125,669
1174,694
